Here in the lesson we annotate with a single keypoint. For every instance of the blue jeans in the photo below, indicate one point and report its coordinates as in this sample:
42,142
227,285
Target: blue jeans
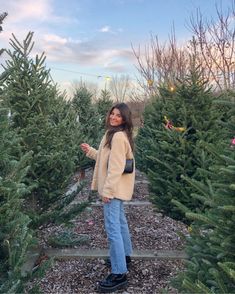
118,235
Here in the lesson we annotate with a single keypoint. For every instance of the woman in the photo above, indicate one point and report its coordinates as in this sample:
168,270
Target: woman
115,187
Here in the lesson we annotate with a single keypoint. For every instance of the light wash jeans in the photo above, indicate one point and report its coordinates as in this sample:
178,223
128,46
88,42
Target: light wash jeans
118,235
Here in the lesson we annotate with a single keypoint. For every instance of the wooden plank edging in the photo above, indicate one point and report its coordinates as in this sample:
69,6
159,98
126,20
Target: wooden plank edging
126,203
103,253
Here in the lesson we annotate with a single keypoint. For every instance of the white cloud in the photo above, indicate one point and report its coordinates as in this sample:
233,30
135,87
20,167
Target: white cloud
21,11
28,9
37,16
117,67
89,53
105,29
52,38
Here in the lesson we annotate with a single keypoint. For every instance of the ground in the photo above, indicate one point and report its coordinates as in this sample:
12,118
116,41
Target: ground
149,230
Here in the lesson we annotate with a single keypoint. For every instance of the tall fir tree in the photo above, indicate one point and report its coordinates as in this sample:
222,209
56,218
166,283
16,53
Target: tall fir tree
103,104
15,235
2,17
168,145
210,247
89,122
47,125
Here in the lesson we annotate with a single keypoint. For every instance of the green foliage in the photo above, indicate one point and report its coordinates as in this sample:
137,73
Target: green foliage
47,125
89,122
39,147
67,239
39,143
211,247
15,236
167,155
103,105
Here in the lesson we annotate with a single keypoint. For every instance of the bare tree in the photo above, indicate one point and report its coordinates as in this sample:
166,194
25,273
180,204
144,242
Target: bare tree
161,63
120,86
215,40
212,46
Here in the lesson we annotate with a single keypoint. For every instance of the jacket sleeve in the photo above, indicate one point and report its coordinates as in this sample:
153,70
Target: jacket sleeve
92,153
116,164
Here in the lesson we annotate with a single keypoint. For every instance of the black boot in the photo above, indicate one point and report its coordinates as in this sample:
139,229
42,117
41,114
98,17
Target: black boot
112,283
128,262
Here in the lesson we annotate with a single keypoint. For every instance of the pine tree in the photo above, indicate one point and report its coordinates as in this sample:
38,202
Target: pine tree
103,104
47,125
15,235
89,122
210,247
2,17
168,146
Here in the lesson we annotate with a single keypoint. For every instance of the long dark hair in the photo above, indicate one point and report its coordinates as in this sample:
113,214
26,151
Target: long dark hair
126,126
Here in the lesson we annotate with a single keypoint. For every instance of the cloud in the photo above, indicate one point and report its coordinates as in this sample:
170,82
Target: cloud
116,67
52,38
94,51
29,10
105,29
90,53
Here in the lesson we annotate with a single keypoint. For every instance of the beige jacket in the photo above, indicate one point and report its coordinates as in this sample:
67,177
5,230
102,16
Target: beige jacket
108,177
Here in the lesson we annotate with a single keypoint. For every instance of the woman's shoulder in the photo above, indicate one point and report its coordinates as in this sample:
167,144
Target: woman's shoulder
120,135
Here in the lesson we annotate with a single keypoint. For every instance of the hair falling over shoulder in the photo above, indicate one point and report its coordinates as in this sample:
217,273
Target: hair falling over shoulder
127,125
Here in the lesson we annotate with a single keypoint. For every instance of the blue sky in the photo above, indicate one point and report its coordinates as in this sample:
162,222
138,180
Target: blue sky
91,39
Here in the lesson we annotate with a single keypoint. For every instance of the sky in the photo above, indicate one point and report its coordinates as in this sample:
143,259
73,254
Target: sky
91,40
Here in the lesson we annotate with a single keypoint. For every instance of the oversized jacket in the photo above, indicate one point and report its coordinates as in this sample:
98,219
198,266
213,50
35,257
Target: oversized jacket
108,178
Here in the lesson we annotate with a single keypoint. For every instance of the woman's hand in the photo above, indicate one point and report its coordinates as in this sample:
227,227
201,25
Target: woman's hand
85,147
105,199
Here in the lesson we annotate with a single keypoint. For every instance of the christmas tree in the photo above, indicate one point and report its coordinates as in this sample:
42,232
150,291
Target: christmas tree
168,145
2,17
47,125
210,247
89,122
103,105
15,235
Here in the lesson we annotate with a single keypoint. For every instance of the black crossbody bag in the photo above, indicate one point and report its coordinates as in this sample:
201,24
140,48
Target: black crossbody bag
129,166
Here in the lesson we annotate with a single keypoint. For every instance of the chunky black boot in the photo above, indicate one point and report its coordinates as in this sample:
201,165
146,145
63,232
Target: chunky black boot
112,283
128,262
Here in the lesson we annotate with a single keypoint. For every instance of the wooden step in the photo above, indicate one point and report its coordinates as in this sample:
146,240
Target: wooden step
104,253
126,203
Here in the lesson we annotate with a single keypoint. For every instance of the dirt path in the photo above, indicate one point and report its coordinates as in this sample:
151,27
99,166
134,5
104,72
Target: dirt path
149,230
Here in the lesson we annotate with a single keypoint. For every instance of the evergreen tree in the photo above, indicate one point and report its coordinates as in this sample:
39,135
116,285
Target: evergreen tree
168,146
89,122
210,247
15,236
47,125
146,133
103,104
2,17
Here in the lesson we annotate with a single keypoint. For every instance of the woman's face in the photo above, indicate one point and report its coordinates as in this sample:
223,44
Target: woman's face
115,118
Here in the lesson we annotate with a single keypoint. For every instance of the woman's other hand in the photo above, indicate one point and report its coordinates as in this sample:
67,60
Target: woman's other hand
85,147
105,199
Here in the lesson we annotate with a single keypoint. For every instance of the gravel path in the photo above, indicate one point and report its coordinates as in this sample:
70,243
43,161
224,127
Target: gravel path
149,230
